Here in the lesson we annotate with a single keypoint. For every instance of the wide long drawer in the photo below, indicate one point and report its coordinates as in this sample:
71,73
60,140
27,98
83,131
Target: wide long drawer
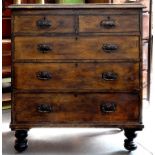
109,23
104,76
76,108
96,47
44,24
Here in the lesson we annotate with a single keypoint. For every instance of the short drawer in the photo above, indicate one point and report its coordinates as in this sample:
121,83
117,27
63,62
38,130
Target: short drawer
96,47
109,23
41,24
76,108
104,76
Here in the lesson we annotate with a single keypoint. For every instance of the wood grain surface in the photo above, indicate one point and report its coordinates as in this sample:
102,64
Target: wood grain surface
76,108
77,76
84,47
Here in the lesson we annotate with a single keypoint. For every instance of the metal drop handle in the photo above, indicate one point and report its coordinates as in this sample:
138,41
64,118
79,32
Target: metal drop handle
44,48
109,76
44,75
108,24
108,107
44,108
110,48
43,23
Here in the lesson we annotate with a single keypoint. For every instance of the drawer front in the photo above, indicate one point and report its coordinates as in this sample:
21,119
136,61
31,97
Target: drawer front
76,108
105,76
109,23
96,47
41,24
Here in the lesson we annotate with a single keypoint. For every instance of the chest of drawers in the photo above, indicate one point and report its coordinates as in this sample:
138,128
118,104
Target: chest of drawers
76,66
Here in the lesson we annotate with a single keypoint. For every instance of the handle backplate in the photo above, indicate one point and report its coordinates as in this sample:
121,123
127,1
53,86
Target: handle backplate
110,48
108,24
43,23
109,76
44,75
108,107
44,48
44,108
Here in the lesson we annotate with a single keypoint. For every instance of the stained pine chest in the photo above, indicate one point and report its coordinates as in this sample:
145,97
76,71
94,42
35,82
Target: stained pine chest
76,66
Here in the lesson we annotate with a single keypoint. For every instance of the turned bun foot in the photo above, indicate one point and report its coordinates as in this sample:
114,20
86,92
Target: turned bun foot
21,141
129,143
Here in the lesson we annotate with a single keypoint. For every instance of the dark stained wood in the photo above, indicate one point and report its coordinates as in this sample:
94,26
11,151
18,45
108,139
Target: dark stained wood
6,38
77,76
6,59
6,71
32,1
6,12
6,27
6,45
50,1
59,24
97,1
81,48
93,23
74,108
6,52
